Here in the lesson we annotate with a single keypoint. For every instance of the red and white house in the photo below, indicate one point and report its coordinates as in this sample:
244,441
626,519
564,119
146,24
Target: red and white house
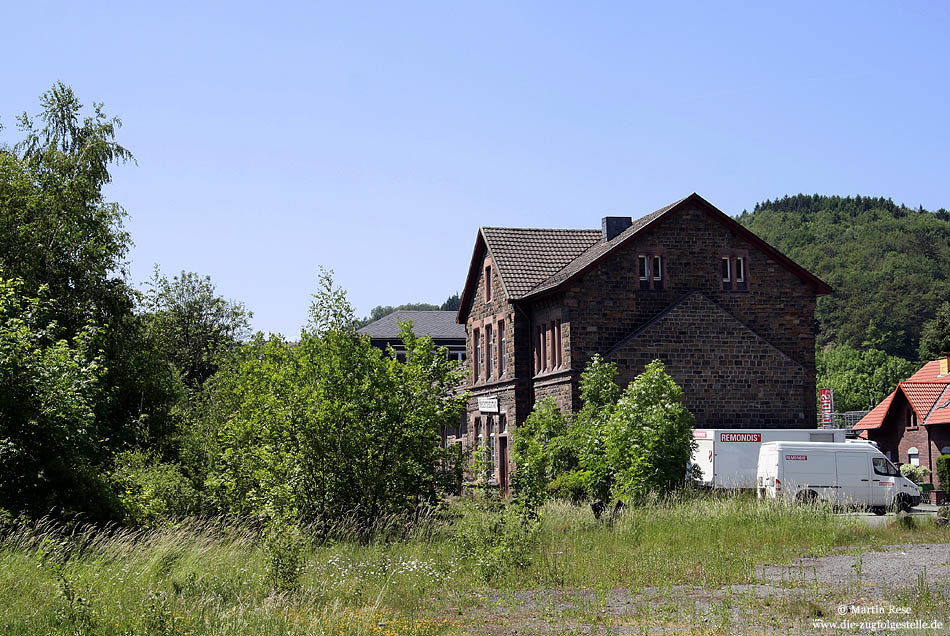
912,424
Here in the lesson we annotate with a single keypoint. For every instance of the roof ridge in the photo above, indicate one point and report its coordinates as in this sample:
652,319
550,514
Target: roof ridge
635,226
540,229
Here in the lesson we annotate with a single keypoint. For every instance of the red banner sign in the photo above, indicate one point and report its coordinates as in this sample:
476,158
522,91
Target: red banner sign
826,401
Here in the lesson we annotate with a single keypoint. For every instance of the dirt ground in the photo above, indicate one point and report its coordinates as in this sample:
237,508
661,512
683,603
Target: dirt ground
904,589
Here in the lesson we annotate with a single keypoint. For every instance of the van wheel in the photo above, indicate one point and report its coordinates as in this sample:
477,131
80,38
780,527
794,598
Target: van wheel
902,503
879,510
807,497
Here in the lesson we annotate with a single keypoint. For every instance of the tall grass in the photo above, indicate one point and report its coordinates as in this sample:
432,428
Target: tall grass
211,576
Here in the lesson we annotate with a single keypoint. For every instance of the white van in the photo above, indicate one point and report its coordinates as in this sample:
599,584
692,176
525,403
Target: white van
849,475
727,457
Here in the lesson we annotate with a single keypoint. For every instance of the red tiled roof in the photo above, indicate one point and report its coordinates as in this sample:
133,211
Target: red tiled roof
929,373
928,393
875,418
941,410
922,396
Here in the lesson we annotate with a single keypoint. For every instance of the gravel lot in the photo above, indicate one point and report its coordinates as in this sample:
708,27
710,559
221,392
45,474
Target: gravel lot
787,599
896,565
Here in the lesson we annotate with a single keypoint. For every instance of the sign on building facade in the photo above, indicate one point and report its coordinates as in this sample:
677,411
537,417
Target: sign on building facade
826,404
488,404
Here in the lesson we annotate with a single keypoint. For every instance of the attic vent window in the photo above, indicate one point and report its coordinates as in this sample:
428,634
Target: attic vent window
643,267
726,274
657,268
488,284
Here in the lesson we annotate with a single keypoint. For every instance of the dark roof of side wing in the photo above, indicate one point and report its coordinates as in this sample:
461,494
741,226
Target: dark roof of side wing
435,324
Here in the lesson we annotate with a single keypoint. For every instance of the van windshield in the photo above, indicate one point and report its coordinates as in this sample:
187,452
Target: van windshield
884,467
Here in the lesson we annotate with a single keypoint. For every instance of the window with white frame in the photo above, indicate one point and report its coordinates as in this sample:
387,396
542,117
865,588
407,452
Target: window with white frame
657,268
913,456
726,271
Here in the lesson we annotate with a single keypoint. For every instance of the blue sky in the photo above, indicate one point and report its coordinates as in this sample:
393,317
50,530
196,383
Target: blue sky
374,138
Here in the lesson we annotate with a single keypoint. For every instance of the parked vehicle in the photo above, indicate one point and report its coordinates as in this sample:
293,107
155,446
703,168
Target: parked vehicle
843,474
727,458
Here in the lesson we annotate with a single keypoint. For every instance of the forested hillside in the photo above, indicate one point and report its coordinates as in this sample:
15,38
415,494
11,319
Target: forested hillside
889,264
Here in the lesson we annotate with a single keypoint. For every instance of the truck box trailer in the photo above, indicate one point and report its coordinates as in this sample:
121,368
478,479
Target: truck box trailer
845,475
727,458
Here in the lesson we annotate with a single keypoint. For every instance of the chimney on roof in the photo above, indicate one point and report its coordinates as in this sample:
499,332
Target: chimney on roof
611,226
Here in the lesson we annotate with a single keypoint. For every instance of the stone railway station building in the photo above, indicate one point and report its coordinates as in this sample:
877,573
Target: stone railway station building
731,317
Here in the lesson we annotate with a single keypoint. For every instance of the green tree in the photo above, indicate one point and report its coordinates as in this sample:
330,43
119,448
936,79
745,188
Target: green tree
49,439
57,229
541,450
649,437
935,335
192,324
330,428
860,379
599,395
452,303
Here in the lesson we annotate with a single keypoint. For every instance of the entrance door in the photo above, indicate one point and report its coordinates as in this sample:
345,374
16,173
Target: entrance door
503,465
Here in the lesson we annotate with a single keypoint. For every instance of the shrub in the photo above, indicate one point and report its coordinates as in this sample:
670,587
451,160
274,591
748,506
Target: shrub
917,474
495,542
538,446
151,491
283,546
649,437
571,486
943,471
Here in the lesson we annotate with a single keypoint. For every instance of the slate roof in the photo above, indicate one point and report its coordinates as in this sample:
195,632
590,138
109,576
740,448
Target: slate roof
435,324
526,257
928,393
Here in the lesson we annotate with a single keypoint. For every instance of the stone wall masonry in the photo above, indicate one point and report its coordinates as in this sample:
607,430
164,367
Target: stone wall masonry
731,377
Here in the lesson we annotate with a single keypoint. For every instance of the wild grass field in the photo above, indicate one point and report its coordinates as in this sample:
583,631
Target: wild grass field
450,573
